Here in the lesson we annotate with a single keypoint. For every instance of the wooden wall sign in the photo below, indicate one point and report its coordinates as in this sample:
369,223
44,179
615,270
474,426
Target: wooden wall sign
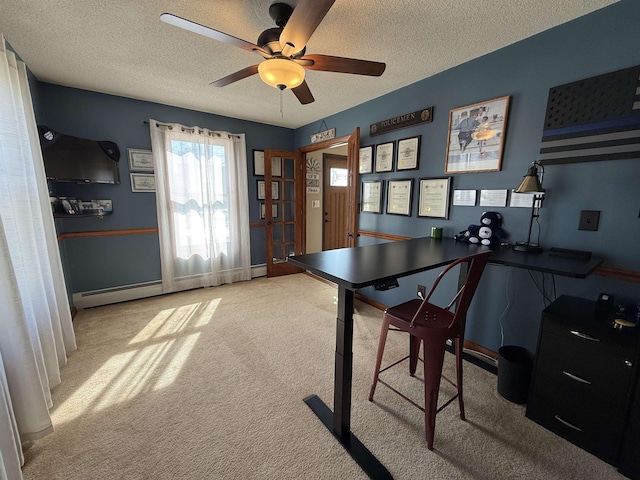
322,136
424,115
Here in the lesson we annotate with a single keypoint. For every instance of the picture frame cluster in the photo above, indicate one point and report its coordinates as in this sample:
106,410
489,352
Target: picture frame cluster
393,156
141,170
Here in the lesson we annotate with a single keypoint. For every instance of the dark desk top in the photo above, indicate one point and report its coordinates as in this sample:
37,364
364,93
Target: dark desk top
360,267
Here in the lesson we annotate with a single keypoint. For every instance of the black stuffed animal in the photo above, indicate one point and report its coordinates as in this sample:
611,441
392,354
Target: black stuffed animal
489,232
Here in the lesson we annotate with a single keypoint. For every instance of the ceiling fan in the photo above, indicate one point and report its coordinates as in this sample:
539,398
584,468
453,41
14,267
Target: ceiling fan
284,48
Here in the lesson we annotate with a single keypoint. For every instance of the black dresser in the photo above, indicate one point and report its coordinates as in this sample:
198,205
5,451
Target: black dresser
584,379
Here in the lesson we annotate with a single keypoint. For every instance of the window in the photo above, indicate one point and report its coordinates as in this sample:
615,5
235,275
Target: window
202,200
338,177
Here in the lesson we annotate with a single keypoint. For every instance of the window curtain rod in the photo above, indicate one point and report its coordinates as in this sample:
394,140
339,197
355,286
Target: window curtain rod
191,130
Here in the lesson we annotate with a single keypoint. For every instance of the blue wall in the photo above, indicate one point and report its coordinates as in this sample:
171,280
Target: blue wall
598,43
604,41
102,262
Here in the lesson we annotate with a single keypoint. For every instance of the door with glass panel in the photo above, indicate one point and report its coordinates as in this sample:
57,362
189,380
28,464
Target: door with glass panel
334,200
283,209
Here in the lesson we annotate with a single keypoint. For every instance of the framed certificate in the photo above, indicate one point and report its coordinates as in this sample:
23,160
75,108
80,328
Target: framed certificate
274,190
384,157
434,197
143,182
140,160
365,164
258,165
274,211
399,197
372,196
408,153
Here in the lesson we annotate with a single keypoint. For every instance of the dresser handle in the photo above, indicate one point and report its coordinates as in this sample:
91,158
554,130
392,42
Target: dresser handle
576,378
585,336
564,422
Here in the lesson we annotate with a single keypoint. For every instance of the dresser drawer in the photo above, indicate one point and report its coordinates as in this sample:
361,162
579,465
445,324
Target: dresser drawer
591,338
584,373
586,424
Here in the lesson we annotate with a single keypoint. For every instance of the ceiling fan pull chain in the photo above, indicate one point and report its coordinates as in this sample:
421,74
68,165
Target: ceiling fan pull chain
281,112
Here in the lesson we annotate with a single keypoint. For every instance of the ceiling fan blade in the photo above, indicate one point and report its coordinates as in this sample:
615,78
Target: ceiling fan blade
303,93
328,63
303,22
234,77
211,33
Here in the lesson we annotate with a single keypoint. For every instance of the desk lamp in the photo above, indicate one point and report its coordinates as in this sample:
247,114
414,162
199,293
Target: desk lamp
532,183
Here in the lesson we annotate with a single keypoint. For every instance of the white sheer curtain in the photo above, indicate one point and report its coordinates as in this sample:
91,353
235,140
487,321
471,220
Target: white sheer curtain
36,331
203,206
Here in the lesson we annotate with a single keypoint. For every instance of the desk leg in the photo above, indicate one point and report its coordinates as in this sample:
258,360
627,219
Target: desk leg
339,421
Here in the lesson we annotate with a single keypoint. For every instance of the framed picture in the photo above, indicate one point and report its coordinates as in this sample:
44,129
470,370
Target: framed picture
258,165
399,197
408,153
140,160
365,164
275,190
476,137
384,157
274,211
372,196
434,198
143,182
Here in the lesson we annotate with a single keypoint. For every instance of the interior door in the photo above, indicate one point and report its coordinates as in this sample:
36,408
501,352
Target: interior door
334,201
283,202
353,158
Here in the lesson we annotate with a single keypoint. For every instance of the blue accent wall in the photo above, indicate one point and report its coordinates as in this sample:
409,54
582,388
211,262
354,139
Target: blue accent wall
598,43
508,301
103,262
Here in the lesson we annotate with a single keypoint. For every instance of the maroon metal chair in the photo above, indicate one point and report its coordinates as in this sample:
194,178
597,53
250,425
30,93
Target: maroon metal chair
433,326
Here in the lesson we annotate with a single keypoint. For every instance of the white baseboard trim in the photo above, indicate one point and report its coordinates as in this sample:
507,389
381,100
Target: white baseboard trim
124,293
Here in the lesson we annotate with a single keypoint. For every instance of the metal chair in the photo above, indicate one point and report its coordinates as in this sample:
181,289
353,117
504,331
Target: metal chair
433,326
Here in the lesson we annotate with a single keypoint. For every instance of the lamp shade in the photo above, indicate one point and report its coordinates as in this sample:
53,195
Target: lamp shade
531,182
281,73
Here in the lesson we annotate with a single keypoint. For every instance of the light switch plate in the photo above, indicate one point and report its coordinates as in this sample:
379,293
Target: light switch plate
589,220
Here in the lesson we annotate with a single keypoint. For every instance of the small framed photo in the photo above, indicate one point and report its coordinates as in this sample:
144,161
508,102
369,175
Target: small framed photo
275,190
408,153
384,157
372,196
434,198
476,137
365,164
140,160
143,182
399,197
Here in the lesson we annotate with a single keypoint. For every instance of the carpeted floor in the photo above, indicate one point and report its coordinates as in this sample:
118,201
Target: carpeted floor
208,384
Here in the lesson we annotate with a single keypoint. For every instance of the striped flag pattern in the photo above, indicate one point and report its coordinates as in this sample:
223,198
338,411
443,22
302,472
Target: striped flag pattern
593,119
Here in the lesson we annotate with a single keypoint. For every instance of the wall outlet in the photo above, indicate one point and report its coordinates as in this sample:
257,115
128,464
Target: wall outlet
589,220
422,291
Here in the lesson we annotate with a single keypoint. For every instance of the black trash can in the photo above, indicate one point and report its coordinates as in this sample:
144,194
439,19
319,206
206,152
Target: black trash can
515,365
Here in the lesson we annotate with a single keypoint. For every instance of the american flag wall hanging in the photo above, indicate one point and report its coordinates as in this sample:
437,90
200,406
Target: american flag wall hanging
593,119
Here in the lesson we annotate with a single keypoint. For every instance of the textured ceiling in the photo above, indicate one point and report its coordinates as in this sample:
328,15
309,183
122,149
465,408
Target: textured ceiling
121,47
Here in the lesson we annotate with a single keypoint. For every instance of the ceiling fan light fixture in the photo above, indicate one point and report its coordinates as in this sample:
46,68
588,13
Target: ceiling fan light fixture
281,73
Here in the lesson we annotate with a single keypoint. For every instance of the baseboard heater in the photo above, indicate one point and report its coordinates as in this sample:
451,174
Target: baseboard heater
124,293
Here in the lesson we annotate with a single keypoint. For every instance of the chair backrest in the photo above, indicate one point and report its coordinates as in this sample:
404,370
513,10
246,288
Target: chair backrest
475,266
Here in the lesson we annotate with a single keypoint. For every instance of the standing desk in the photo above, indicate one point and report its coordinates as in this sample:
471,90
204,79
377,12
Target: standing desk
380,266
